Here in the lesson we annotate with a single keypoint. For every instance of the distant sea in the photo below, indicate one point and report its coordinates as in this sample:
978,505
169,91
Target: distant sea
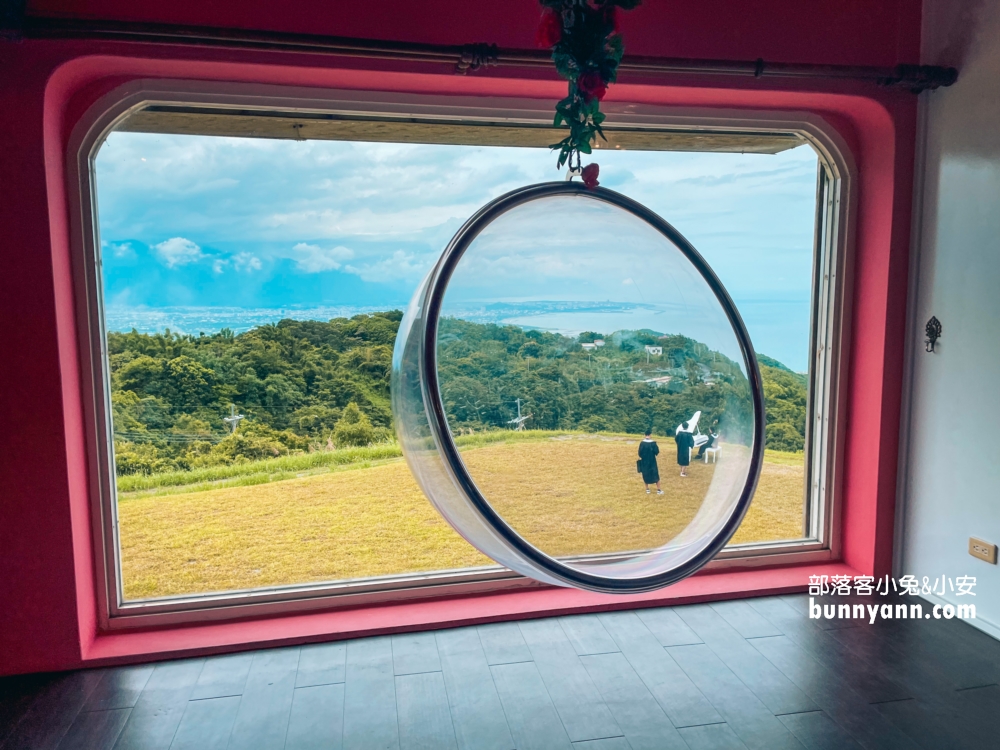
564,317
779,329
209,320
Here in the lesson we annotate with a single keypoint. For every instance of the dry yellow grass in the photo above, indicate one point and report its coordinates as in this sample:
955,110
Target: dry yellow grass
582,495
777,509
567,496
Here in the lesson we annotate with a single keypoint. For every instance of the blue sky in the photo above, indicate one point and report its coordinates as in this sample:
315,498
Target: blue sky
255,223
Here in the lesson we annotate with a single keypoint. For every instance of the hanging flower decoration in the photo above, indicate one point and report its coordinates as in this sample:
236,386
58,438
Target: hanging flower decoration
586,48
589,175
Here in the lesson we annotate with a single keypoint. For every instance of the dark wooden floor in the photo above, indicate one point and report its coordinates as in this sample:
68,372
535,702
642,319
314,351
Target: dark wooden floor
749,674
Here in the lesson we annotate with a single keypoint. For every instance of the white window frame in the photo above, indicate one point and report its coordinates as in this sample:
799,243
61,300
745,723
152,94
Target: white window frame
830,326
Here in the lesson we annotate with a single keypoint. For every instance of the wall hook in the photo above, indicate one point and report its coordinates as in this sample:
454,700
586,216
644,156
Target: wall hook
933,331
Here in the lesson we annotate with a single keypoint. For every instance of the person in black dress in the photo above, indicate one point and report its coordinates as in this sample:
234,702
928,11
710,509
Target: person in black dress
648,450
685,442
712,437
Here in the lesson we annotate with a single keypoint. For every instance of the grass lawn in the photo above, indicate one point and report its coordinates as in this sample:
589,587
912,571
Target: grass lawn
329,518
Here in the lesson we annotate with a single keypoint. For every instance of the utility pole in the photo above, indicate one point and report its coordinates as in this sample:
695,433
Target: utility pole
233,419
519,421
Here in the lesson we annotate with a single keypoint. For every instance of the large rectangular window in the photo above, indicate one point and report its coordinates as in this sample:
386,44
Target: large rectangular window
252,288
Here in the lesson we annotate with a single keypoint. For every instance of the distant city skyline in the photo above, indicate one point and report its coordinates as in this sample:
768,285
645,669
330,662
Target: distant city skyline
254,224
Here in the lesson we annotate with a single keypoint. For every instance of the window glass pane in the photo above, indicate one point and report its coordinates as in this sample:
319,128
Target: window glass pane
252,291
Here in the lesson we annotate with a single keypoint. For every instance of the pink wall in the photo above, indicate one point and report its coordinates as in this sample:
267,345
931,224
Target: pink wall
845,32
47,610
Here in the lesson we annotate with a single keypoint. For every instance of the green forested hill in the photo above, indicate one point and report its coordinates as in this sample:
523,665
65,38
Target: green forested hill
292,381
310,385
485,368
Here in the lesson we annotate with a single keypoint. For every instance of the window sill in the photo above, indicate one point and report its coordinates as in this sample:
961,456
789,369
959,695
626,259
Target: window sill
203,639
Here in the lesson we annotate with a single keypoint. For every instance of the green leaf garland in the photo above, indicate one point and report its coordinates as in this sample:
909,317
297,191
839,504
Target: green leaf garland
586,49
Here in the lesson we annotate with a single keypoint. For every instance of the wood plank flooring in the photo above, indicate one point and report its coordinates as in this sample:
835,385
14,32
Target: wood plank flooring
755,674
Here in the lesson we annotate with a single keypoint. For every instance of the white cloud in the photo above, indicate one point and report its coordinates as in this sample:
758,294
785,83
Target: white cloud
315,259
242,261
393,218
247,262
122,250
402,265
178,251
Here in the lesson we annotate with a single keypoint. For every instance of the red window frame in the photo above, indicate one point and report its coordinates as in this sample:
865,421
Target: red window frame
877,128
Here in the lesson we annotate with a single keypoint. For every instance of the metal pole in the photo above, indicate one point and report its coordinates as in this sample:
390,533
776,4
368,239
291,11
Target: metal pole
461,58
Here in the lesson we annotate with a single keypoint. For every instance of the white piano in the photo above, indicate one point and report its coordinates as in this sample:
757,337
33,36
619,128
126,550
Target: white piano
699,439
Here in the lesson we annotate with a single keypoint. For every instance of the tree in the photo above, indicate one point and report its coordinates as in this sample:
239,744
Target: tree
353,428
783,436
252,442
785,397
529,349
140,458
317,420
187,384
143,374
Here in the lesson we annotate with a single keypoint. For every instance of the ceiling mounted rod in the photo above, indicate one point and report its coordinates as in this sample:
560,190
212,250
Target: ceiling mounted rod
464,58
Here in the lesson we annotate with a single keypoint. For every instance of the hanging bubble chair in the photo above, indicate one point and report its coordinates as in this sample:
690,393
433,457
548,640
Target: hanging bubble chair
596,322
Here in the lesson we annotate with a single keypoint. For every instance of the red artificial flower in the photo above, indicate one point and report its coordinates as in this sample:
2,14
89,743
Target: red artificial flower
549,30
591,86
589,175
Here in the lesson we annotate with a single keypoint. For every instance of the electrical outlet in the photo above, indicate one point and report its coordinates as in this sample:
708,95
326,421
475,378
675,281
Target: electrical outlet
983,550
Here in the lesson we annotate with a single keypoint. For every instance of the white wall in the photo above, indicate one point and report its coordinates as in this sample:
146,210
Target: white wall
951,455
